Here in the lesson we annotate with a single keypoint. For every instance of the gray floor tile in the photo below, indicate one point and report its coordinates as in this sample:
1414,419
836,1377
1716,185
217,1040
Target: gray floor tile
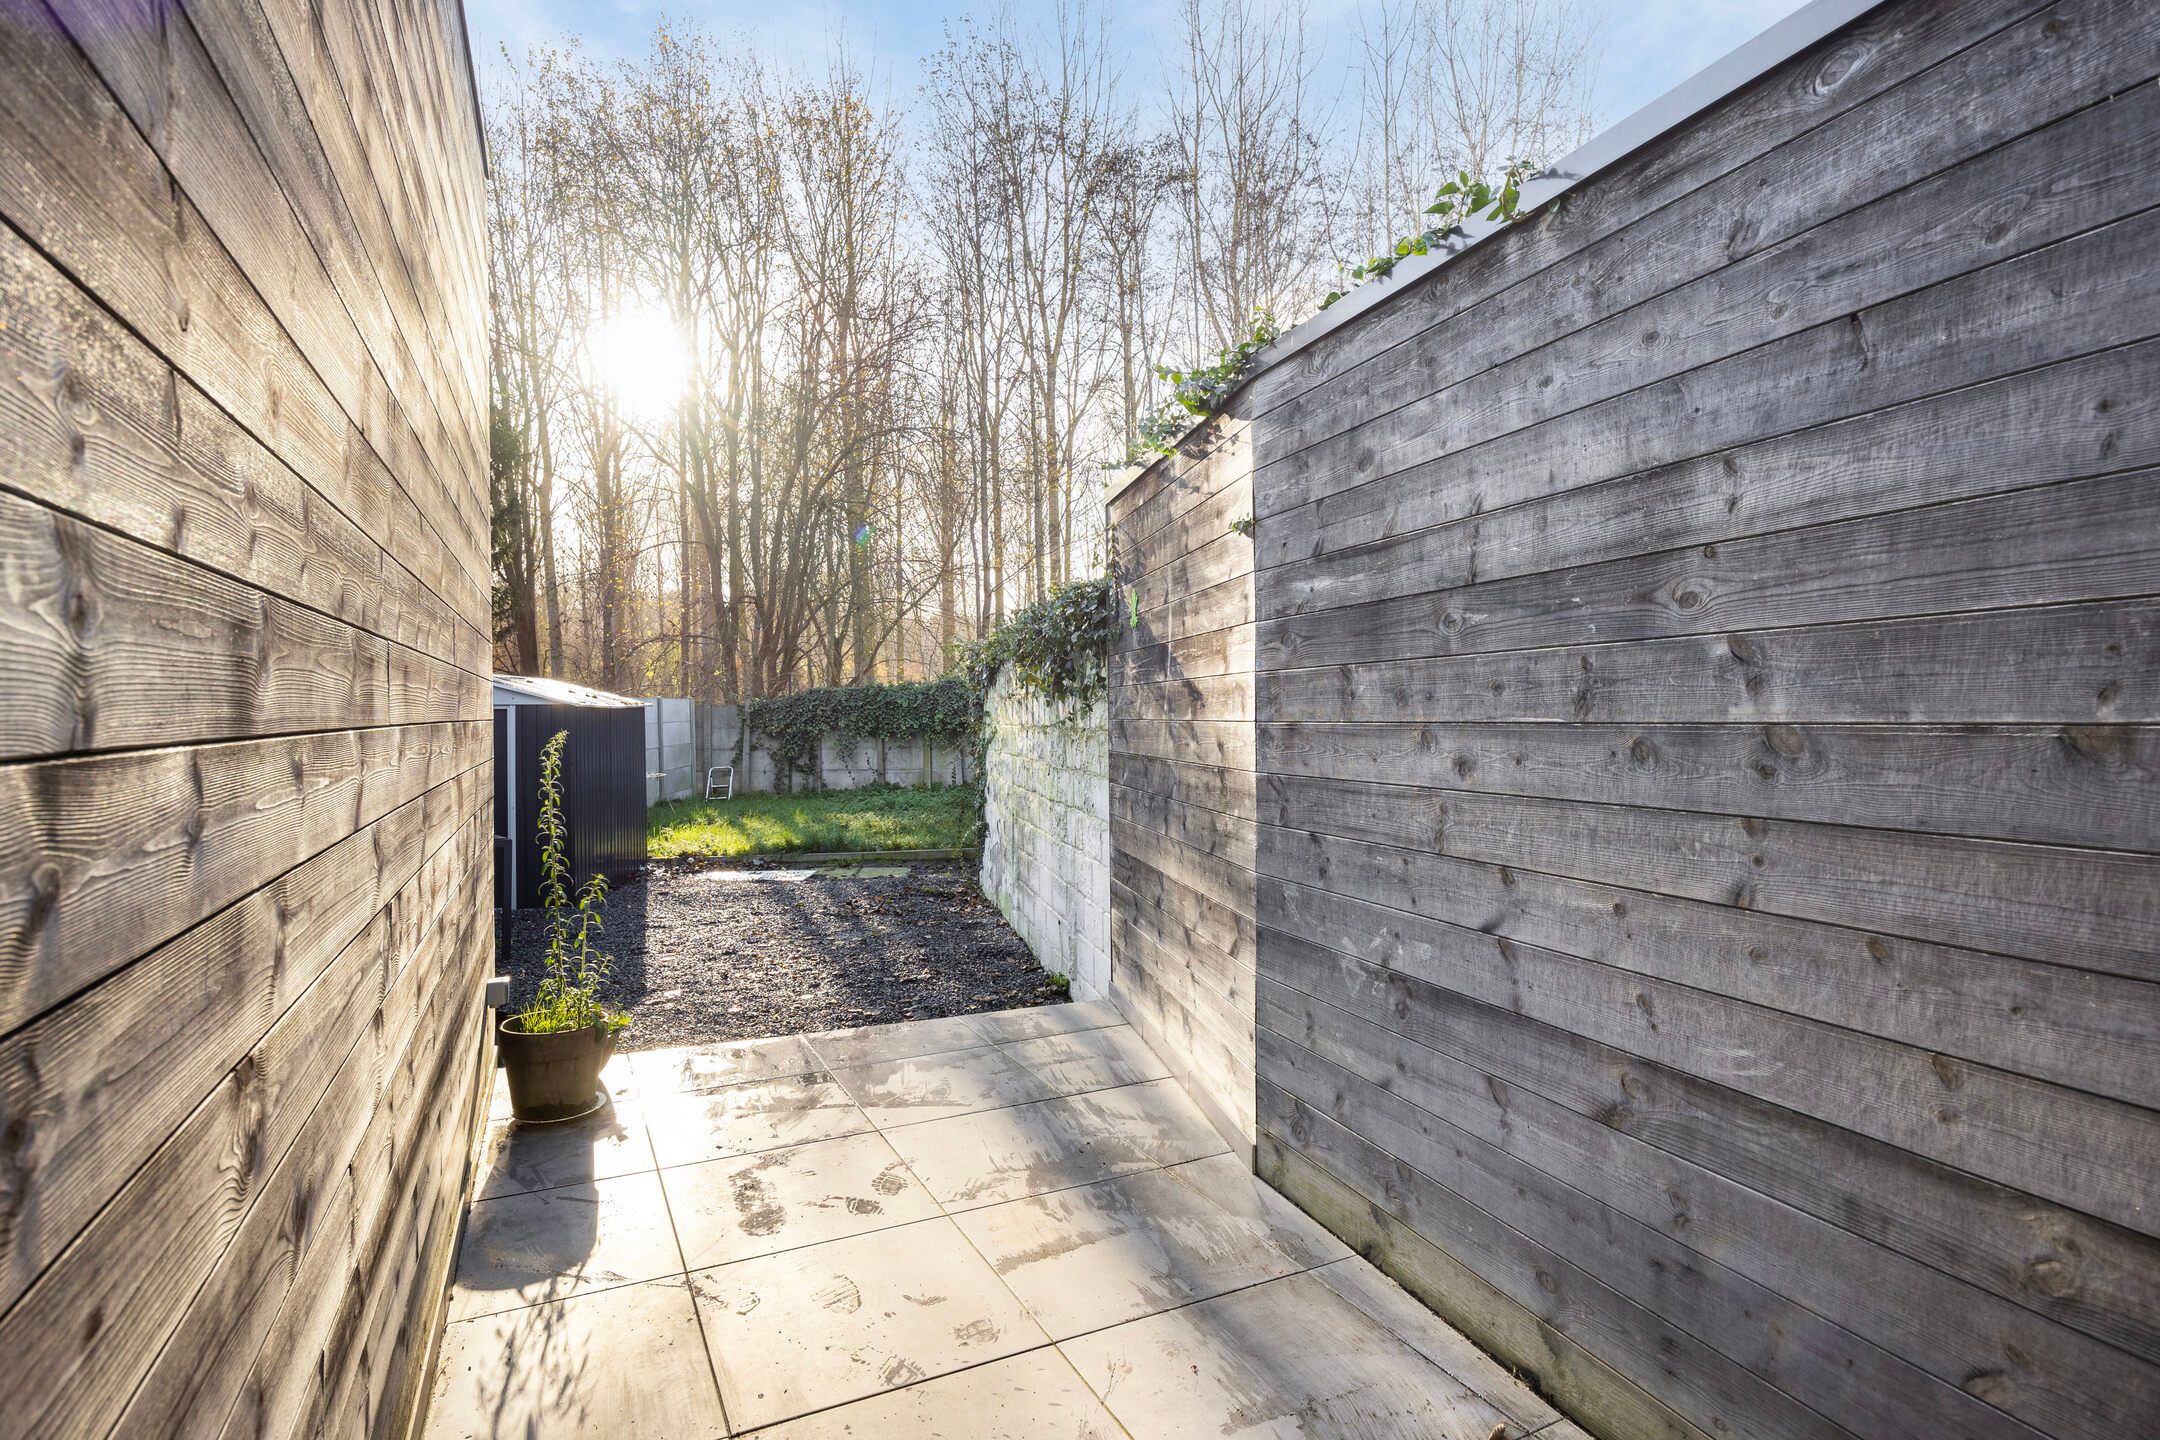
757,1115
1035,1396
1087,1059
733,1209
516,1158
1406,1316
998,1155
931,1087
624,1362
734,1062
1102,1254
1225,1181
809,1329
1287,1358
1039,1020
835,1301
861,1046
523,1249
1141,1125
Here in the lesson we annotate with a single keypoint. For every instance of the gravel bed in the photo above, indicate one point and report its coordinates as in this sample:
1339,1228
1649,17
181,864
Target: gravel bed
706,953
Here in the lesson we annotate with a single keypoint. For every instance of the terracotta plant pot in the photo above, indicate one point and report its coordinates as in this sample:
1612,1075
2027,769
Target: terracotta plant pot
555,1076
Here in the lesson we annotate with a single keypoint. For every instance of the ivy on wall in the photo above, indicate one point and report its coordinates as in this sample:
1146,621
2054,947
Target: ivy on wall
1198,393
1058,648
791,726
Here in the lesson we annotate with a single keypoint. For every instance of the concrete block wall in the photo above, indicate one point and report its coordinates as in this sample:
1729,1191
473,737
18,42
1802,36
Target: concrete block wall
671,752
1046,854
675,761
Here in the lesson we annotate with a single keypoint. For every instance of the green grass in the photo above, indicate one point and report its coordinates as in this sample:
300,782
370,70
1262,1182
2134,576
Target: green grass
881,817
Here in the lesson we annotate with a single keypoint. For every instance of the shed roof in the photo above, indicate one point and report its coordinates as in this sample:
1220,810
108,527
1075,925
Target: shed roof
533,690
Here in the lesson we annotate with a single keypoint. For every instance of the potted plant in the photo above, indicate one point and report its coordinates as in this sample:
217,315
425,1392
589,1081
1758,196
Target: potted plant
555,1047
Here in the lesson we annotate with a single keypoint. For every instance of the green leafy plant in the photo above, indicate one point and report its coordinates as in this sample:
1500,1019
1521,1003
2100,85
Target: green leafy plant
1059,981
1058,648
568,998
1460,200
1204,390
939,711
1243,525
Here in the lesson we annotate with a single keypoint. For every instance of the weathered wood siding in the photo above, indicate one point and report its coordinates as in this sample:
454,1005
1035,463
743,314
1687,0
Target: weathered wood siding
1181,773
244,739
1695,783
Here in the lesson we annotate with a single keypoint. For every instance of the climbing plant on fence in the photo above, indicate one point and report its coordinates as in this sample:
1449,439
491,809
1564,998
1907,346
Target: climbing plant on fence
941,712
1197,393
1058,648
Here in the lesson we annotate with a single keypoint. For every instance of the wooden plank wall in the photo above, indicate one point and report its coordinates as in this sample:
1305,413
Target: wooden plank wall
244,743
1704,787
1181,772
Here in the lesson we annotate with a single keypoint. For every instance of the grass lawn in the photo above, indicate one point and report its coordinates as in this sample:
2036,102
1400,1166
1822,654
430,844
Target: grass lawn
878,817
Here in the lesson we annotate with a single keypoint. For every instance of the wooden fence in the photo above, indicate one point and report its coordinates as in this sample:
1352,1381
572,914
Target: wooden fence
1657,828
243,726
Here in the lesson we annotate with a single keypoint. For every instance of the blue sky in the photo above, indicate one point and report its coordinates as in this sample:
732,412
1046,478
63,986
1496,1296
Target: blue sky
1650,45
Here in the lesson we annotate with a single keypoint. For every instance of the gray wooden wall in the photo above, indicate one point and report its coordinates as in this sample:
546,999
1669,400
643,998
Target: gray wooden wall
1181,773
1686,799
244,746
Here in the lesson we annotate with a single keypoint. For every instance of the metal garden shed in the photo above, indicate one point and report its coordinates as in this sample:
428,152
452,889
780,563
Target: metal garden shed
603,782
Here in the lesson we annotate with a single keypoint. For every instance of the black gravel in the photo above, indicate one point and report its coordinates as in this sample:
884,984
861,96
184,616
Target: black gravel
707,954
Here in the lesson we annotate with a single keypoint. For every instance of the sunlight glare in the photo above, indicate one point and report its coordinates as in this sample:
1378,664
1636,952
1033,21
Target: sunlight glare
639,356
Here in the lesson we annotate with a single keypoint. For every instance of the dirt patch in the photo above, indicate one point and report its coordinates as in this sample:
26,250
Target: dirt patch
727,954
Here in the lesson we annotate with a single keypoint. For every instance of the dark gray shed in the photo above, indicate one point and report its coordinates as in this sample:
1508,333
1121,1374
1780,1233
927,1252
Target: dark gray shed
603,782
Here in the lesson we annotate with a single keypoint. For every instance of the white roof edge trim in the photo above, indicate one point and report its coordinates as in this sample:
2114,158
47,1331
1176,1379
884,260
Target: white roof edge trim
545,691
1755,58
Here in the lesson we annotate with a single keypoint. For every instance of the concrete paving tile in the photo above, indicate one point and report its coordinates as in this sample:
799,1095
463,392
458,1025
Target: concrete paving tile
1087,1059
1136,1126
1102,1254
524,1249
1406,1316
931,1087
1225,1181
1035,1396
997,1155
744,1119
864,1044
516,1158
1034,1021
1289,1358
808,1329
749,1205
695,1068
626,1362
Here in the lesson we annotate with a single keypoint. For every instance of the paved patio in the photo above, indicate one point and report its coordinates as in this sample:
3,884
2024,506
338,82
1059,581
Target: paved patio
1001,1225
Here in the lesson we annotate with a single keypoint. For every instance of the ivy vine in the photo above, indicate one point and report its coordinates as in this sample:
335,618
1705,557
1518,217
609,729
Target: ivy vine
1461,199
1057,648
792,726
1202,391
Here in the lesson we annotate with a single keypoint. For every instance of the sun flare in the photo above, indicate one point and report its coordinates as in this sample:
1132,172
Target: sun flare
638,354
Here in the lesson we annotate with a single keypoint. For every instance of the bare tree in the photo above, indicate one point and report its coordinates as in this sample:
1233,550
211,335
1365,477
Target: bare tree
910,343
1253,169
